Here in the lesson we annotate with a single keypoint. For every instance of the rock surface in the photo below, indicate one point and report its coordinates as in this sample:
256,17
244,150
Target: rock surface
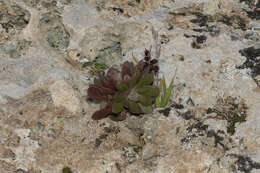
209,126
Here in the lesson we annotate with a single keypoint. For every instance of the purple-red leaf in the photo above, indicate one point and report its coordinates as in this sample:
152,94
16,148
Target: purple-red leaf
140,66
102,113
95,93
104,81
127,69
114,74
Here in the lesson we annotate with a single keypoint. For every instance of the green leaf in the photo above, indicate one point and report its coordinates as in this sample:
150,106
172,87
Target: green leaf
164,85
118,117
119,97
134,80
144,100
146,109
122,86
167,94
117,107
158,101
159,97
149,91
146,79
134,107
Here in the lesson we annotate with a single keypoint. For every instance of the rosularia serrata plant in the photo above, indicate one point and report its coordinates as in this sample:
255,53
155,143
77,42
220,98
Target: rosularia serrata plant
131,89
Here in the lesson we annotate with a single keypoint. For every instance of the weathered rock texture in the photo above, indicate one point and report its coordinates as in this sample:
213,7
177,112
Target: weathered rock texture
209,126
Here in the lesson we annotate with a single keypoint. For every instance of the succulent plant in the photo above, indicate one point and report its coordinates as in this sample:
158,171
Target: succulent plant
129,89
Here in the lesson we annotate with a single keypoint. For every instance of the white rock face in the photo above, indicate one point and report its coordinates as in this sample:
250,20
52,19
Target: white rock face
210,124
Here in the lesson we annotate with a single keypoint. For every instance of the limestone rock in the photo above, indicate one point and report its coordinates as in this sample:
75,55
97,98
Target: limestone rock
64,95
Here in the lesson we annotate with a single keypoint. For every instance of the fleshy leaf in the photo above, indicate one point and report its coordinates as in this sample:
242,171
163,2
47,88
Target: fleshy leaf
119,97
114,74
158,101
144,100
146,79
127,69
134,79
140,66
149,91
117,107
146,109
134,107
105,82
107,91
102,113
95,93
122,86
118,117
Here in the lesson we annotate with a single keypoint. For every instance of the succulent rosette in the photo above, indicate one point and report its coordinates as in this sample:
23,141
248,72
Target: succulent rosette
130,89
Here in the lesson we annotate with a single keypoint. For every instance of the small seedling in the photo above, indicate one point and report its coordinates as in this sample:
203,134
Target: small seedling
163,98
130,88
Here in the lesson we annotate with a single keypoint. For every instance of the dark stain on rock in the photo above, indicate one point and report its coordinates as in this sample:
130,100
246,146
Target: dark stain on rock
177,105
198,41
100,139
113,129
231,109
199,126
165,111
212,30
244,163
252,62
202,20
118,167
186,115
201,39
236,21
164,39
218,140
254,12
17,19
188,138
120,10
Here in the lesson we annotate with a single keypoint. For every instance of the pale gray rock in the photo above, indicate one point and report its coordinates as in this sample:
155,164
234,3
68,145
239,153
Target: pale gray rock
63,95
